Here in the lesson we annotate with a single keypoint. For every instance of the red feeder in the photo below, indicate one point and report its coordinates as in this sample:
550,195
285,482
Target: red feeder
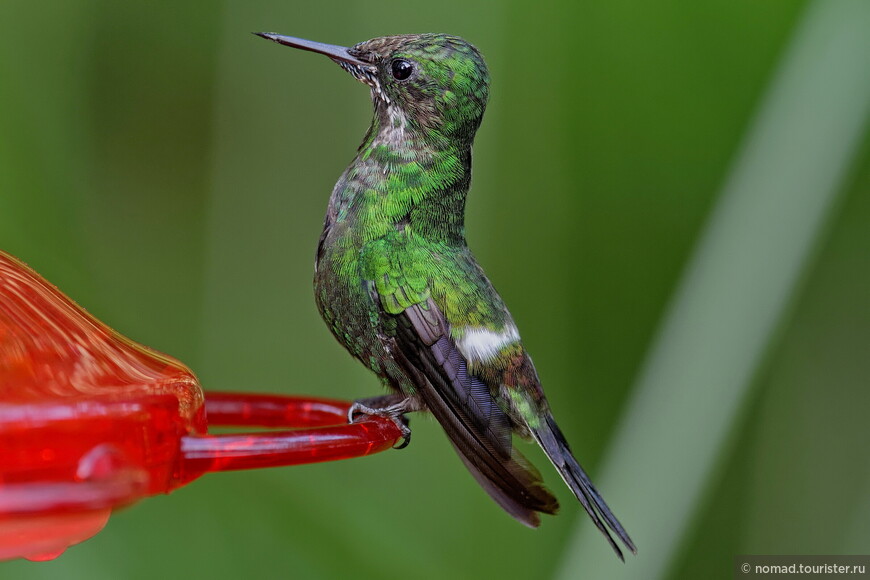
91,421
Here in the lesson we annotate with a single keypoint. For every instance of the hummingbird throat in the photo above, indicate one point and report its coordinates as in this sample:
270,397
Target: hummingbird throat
368,76
392,131
402,181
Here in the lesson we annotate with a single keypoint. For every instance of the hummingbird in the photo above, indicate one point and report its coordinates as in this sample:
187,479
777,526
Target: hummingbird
399,288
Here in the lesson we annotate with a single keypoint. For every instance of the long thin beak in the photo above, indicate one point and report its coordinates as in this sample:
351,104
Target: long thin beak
336,53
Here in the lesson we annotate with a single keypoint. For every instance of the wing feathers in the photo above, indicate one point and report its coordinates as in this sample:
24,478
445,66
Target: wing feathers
517,510
478,429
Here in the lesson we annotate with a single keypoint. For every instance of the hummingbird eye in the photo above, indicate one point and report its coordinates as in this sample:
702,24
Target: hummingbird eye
402,69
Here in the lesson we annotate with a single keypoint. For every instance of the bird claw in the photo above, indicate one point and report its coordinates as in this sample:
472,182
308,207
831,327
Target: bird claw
394,413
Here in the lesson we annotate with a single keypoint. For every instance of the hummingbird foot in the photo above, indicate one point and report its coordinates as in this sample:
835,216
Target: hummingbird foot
393,407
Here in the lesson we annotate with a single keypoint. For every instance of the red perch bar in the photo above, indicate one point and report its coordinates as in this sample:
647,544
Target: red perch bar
91,421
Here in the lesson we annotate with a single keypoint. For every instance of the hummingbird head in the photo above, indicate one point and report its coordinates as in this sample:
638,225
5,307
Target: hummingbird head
435,85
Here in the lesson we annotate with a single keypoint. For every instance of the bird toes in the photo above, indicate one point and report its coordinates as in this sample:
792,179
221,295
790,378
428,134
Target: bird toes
392,407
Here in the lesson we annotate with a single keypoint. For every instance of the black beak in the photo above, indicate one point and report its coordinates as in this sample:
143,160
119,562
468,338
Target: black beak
337,53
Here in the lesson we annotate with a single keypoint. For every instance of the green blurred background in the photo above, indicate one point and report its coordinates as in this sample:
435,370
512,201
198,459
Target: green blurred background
170,171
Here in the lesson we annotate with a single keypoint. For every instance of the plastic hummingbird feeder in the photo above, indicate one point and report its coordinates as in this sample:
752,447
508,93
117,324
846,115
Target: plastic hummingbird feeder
91,421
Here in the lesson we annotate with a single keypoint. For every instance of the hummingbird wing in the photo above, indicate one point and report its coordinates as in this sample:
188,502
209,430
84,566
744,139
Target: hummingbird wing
470,402
480,431
423,346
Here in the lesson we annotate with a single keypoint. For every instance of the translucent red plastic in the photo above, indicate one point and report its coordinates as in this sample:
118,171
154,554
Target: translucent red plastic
91,421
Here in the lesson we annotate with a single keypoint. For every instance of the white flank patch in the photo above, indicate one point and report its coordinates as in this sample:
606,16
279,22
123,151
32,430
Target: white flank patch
481,344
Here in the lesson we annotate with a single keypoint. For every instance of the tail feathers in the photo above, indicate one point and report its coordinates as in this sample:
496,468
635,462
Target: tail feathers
550,438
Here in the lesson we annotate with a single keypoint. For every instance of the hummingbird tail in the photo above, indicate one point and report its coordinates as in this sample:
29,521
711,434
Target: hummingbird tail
550,438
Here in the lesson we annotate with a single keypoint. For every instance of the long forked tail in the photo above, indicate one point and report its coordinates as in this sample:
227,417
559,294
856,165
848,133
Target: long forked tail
550,438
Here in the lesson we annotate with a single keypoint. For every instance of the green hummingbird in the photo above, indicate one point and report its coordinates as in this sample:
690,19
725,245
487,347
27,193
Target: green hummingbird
399,288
